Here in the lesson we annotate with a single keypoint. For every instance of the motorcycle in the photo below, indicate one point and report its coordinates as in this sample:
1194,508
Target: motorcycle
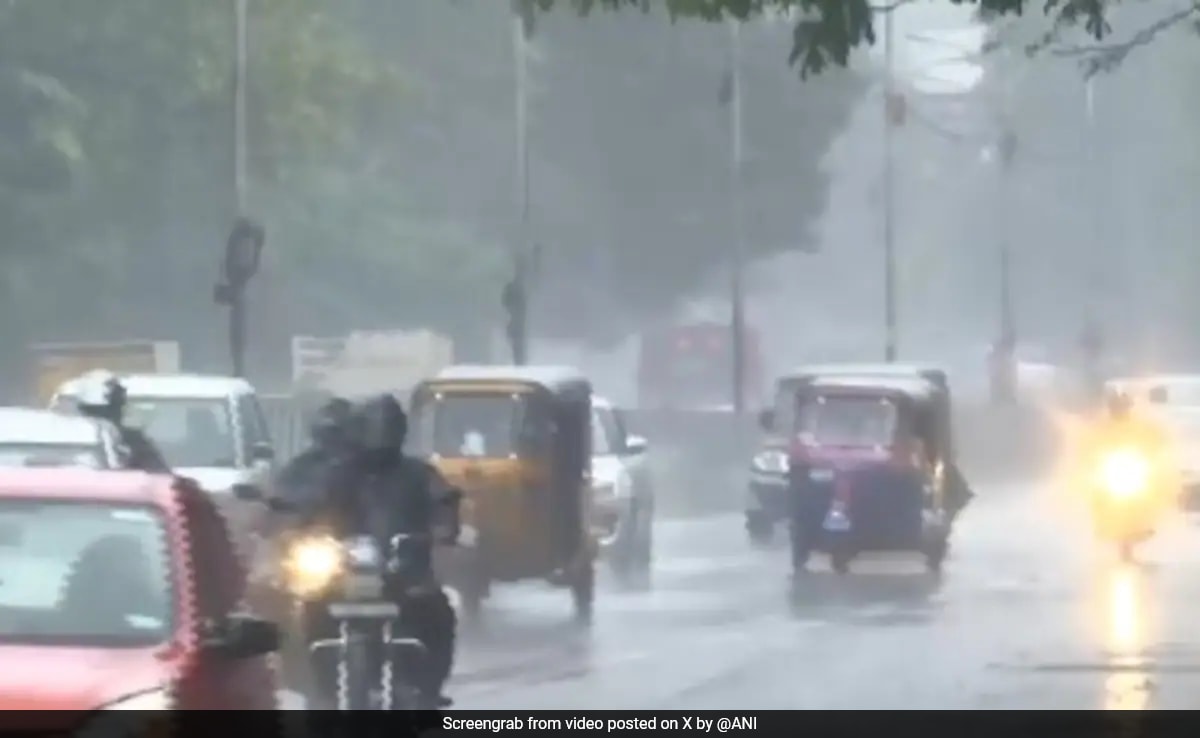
1124,507
356,582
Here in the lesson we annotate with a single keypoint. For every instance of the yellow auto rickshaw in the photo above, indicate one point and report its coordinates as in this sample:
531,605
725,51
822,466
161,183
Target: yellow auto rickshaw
516,440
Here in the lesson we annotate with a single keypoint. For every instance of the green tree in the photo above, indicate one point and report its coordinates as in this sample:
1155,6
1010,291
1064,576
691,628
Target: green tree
116,167
826,31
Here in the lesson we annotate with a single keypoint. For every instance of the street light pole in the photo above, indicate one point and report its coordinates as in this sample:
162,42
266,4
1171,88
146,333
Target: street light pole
1092,339
737,316
239,104
516,292
889,201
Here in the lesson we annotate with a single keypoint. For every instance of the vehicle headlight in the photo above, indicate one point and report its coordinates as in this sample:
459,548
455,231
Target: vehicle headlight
1125,473
770,462
157,699
612,491
312,564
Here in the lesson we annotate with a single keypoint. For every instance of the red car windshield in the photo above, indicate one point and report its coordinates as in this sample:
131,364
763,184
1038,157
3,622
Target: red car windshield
859,422
83,574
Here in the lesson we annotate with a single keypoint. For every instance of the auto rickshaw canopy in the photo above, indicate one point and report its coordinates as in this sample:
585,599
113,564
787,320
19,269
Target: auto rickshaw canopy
560,381
922,389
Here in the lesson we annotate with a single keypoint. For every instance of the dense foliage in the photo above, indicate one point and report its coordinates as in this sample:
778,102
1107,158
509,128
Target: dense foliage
825,32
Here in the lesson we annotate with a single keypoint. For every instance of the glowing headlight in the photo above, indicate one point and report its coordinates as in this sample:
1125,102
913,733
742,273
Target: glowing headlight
153,700
312,564
770,462
1125,473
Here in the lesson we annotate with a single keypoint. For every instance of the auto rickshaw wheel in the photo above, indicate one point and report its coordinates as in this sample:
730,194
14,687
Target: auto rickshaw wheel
472,593
840,559
935,555
761,531
583,592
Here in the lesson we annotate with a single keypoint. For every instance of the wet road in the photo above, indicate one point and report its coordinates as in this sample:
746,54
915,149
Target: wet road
1029,614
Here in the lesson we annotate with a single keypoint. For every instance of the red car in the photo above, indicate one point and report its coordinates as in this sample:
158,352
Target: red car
121,591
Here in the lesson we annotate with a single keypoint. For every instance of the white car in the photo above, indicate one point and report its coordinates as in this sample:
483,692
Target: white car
30,437
622,493
209,428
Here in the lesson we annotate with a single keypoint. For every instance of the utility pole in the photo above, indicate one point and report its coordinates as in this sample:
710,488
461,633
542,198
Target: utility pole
1093,339
892,106
516,293
737,317
1007,152
239,104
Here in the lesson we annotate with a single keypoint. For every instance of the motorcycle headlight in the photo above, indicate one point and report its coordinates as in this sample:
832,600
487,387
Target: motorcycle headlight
157,699
1125,473
312,564
770,462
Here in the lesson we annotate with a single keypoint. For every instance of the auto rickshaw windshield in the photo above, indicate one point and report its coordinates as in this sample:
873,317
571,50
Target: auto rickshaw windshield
847,421
476,425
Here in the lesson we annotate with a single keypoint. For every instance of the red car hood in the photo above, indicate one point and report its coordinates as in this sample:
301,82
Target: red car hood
54,678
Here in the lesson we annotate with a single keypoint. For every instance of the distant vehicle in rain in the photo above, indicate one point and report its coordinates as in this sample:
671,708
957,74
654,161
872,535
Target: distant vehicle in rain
41,438
690,367
622,492
1174,391
1175,401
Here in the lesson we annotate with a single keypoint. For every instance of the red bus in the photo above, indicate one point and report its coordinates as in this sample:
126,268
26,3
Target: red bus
690,367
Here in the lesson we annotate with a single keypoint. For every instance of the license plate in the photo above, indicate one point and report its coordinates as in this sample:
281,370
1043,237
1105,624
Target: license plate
837,523
821,475
363,586
364,609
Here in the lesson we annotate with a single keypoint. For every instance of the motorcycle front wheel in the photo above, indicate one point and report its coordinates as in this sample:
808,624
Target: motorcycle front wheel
354,682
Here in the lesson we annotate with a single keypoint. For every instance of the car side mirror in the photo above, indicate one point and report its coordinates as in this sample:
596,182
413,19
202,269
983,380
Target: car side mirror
262,451
242,636
635,445
766,419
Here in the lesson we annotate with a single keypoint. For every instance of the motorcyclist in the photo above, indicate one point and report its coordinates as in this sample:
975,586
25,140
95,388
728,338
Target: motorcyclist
102,396
327,465
356,478
1122,425
403,494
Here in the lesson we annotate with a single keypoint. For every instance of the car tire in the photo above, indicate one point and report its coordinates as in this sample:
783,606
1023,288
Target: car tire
583,593
760,529
633,560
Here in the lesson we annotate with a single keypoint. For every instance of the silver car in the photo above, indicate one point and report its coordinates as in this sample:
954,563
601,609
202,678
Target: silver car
31,437
622,493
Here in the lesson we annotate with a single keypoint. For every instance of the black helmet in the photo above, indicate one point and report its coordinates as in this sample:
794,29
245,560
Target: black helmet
101,395
1119,404
331,424
383,424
